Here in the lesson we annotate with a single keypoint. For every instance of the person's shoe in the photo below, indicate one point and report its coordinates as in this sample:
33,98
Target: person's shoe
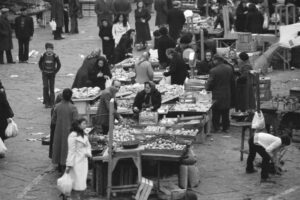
225,131
251,171
2,155
59,38
12,62
267,180
1,63
215,131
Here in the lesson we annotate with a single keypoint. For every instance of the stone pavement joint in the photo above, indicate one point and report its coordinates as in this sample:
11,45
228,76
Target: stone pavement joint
35,182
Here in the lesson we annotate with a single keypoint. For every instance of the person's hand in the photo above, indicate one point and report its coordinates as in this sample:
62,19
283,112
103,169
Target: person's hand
106,38
100,74
67,170
135,109
9,120
143,20
106,77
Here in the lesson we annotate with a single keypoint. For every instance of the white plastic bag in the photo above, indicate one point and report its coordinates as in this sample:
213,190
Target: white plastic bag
258,121
52,24
3,148
266,21
165,80
108,83
11,129
65,184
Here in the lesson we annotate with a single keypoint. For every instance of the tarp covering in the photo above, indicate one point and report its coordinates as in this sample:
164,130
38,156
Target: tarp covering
289,37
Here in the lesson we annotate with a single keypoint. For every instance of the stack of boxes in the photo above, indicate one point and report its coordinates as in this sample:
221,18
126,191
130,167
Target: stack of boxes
265,88
88,7
246,42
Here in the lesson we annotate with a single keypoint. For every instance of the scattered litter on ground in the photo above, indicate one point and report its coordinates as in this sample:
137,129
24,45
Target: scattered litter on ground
14,76
39,133
33,54
226,136
56,90
41,99
33,139
81,56
82,32
29,128
295,79
70,74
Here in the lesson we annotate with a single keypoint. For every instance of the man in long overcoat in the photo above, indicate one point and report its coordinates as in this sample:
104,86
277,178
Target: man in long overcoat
74,12
121,7
24,30
5,37
175,20
161,8
220,82
57,13
104,10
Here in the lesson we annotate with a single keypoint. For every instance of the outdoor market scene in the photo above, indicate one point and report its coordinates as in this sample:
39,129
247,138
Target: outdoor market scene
150,99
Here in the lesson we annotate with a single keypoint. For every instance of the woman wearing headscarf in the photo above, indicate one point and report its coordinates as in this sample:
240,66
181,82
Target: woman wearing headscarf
6,112
99,74
125,46
82,73
64,114
143,69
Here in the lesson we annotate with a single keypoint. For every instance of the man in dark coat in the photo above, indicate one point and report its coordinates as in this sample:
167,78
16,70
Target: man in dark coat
254,20
178,70
241,13
5,37
104,10
220,82
175,20
164,42
148,5
205,65
122,7
24,31
57,13
161,8
74,12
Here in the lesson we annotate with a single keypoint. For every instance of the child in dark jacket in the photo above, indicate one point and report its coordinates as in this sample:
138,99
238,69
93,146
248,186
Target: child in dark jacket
49,64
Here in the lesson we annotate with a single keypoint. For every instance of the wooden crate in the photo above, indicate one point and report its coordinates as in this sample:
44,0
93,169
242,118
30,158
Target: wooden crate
244,37
247,47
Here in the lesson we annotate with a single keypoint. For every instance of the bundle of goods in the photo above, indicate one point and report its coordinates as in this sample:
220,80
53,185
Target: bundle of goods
147,117
85,92
182,132
122,75
198,107
165,144
288,103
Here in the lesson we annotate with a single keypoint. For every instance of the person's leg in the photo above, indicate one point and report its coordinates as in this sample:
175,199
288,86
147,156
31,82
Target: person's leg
21,50
73,24
265,162
251,156
45,89
225,119
51,86
105,129
1,57
76,25
9,56
26,49
216,119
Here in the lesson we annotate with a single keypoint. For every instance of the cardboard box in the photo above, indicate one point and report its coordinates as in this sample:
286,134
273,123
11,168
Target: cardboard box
247,47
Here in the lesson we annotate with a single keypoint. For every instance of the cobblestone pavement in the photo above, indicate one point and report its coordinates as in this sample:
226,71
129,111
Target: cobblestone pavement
27,173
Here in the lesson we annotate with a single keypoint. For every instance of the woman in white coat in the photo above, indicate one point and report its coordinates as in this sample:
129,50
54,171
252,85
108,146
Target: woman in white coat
120,27
79,149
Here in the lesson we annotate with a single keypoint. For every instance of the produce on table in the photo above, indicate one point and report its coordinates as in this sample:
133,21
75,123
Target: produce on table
164,144
199,107
168,121
155,129
122,75
182,132
148,117
85,92
122,134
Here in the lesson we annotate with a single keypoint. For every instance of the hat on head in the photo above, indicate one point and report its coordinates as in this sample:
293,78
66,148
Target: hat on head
186,39
218,57
23,9
49,45
3,10
243,56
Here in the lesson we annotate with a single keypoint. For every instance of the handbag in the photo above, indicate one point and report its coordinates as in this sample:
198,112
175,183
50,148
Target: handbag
53,25
11,129
258,121
65,184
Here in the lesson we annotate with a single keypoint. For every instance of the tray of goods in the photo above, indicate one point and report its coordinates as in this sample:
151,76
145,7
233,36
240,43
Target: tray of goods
122,75
184,107
168,122
148,118
131,144
164,109
165,145
85,93
192,124
154,130
122,134
182,132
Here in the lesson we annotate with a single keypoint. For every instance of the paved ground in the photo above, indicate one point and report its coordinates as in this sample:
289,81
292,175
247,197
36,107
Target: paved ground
27,173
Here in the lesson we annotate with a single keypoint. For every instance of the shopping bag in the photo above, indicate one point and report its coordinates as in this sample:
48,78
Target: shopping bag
266,21
11,129
52,24
108,83
258,121
3,148
65,184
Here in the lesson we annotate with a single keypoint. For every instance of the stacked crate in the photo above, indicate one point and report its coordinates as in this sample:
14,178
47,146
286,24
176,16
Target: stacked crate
88,8
246,43
265,88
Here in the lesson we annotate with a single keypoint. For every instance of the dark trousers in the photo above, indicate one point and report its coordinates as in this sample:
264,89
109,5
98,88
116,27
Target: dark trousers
217,115
74,24
8,56
48,88
105,129
23,49
253,149
57,33
66,21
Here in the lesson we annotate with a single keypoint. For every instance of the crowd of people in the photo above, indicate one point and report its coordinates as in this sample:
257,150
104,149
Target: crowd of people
230,79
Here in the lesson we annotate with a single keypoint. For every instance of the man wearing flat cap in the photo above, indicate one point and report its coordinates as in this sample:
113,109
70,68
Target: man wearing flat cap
5,37
24,31
175,20
221,83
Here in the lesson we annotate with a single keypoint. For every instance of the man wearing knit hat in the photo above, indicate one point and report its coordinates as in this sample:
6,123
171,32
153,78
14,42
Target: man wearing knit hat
221,83
5,37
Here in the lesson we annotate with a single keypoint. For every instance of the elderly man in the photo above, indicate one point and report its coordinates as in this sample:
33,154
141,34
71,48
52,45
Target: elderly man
5,37
24,31
175,20
220,82
103,108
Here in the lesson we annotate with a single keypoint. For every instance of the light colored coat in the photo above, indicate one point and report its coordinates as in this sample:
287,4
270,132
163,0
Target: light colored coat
144,72
64,114
118,30
78,153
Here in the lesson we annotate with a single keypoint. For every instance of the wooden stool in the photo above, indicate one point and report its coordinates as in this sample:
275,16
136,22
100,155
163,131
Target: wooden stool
245,126
135,155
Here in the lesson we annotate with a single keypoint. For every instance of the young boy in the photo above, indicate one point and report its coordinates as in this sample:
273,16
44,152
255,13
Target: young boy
49,65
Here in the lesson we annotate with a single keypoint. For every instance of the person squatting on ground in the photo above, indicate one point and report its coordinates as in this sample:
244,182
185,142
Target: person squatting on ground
79,150
24,31
49,64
